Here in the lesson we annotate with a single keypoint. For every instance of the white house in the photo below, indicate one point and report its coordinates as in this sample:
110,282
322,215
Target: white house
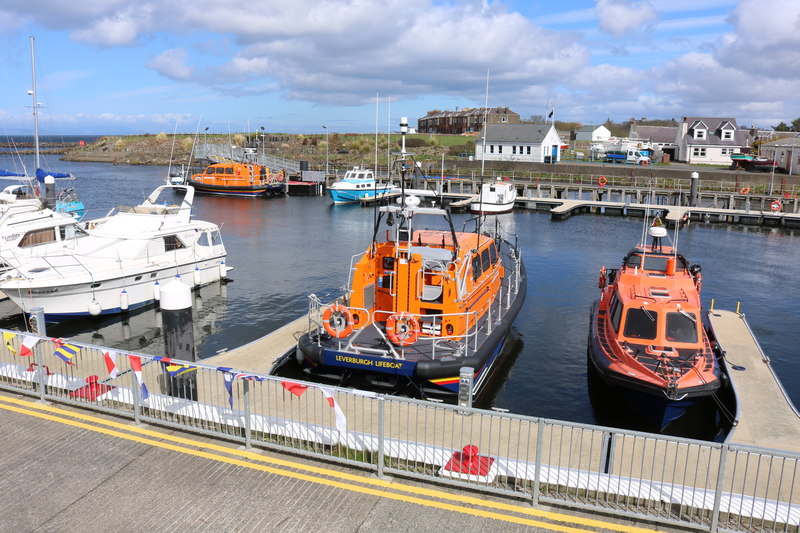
592,133
708,140
535,143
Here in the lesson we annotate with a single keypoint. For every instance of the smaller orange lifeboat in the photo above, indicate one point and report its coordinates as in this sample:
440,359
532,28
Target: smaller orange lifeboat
238,179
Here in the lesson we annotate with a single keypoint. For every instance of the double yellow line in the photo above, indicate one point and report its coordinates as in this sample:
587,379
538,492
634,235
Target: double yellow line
392,490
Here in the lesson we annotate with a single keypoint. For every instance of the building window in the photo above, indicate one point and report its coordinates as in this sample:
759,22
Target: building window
514,150
727,135
491,148
500,149
503,119
726,151
529,150
699,152
699,134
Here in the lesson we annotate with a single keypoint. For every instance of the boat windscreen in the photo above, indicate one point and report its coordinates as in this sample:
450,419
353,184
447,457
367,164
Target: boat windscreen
656,263
641,323
681,327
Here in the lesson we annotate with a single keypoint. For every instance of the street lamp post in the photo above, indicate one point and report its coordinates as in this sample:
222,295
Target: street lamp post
327,148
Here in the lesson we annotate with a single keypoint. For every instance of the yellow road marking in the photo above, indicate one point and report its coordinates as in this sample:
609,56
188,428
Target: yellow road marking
253,456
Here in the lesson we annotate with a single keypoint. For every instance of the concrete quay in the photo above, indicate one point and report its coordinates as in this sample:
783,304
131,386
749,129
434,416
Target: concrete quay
67,470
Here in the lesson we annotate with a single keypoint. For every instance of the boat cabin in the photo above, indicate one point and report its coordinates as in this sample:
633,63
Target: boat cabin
655,300
446,278
236,174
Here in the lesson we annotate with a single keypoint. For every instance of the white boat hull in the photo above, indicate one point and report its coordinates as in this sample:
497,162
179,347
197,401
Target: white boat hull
107,297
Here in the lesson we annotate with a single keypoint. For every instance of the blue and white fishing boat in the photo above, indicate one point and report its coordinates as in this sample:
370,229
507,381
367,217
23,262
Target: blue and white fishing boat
359,183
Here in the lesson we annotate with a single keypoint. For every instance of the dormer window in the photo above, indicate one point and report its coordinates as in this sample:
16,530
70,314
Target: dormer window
699,134
727,135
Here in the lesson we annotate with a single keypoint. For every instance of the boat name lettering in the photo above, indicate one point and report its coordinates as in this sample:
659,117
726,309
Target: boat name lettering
9,238
353,360
368,362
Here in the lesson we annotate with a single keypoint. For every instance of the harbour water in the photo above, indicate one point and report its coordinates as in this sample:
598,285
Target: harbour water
283,248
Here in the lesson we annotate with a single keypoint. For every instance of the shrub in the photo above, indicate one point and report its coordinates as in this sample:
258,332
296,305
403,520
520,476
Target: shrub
119,145
239,139
186,144
161,137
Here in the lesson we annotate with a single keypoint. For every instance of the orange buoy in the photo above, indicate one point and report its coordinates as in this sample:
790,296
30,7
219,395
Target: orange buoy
402,329
337,321
744,190
602,181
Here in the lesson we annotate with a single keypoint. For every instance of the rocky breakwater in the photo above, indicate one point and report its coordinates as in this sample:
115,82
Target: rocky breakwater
160,149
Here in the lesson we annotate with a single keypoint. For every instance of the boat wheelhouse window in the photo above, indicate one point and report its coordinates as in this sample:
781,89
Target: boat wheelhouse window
641,323
216,238
493,253
616,312
202,240
172,242
681,327
69,231
476,266
228,170
38,236
210,170
486,263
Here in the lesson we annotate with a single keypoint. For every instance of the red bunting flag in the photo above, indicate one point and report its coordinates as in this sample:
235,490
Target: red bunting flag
295,388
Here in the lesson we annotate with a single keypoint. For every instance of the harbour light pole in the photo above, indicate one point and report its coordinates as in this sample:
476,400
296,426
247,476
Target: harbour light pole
327,149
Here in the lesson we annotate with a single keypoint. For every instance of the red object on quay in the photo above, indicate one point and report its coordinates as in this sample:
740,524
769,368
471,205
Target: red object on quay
468,461
92,390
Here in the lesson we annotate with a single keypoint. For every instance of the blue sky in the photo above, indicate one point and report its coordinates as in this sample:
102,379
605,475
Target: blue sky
118,67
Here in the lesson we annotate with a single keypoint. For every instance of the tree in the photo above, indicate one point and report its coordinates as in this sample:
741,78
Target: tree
781,127
796,124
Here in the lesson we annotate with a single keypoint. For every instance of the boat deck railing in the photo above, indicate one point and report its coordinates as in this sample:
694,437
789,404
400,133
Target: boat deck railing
668,480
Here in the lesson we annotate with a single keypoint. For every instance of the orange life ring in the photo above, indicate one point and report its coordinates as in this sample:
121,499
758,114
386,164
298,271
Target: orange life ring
602,181
402,329
281,174
337,321
775,206
744,190
645,163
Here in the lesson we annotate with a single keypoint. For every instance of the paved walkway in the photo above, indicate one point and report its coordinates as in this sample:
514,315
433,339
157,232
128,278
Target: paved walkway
71,470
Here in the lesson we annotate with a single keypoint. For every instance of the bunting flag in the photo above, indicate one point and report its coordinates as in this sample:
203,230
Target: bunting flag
228,377
136,366
8,337
295,388
67,352
28,342
176,370
341,421
110,358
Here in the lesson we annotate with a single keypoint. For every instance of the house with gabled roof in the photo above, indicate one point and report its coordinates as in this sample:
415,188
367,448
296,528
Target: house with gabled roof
592,133
710,140
535,143
659,137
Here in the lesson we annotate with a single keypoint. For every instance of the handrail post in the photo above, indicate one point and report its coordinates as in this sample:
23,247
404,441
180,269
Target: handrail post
381,429
537,476
42,371
723,457
248,436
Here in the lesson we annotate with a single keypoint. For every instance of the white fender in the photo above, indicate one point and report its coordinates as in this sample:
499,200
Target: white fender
95,308
123,300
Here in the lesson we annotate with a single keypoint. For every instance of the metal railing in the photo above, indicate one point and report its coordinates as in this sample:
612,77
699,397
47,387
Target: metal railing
688,483
237,153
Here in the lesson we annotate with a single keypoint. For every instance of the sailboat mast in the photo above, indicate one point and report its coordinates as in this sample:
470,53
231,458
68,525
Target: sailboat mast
35,108
485,123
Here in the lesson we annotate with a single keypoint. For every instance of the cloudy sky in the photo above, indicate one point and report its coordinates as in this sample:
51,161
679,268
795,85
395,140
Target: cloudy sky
116,66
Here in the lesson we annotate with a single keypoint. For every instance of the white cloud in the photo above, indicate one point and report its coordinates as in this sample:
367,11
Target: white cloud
120,28
620,17
766,39
172,64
